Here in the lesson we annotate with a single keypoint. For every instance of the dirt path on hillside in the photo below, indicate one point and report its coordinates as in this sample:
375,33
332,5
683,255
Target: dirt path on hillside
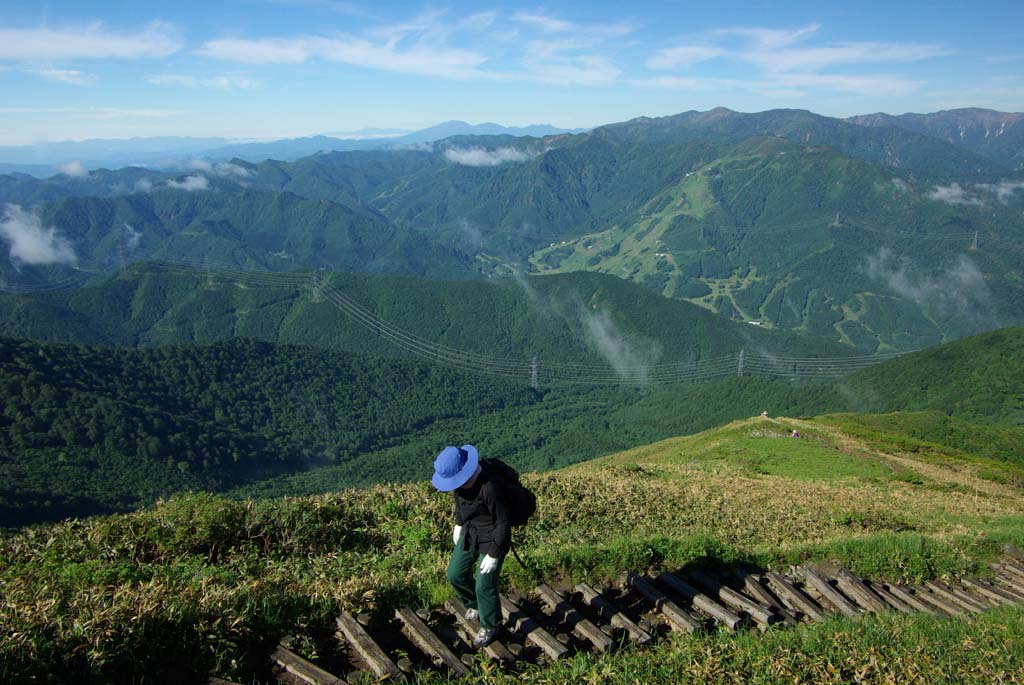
964,475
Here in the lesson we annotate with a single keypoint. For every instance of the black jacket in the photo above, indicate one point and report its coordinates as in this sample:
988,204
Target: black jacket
482,513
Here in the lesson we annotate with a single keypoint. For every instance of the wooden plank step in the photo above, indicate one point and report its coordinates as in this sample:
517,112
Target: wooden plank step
1012,575
737,600
910,599
430,644
302,669
856,589
1011,581
700,600
356,635
214,680
797,599
1014,566
495,650
534,632
1009,589
993,593
581,626
607,611
969,595
892,600
755,587
943,605
830,593
946,593
677,618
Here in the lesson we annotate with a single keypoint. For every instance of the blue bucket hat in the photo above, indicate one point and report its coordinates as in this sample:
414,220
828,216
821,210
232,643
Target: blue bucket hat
454,466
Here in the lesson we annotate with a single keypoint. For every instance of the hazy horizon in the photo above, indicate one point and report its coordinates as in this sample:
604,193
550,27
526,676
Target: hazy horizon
270,69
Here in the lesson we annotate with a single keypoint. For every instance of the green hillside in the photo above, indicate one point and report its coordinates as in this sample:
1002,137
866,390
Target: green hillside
121,598
241,228
557,318
90,429
775,232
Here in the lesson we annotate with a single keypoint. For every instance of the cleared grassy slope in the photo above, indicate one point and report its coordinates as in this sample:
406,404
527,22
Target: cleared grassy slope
121,597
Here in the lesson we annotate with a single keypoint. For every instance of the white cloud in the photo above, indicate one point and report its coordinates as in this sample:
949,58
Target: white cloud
544,22
31,242
478,156
1003,190
132,238
90,41
191,183
71,76
787,64
958,290
419,59
954,194
552,51
221,169
74,168
683,56
143,185
223,82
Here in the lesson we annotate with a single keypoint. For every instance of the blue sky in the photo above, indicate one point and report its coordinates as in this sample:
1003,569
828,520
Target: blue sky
275,68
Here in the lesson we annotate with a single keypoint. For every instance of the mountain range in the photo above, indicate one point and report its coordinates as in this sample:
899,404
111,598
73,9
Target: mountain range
47,159
878,237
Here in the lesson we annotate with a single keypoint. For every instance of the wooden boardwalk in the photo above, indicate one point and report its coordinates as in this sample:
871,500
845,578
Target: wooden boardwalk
553,623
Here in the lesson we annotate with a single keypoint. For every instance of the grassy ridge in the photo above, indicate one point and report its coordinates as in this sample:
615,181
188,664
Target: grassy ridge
121,597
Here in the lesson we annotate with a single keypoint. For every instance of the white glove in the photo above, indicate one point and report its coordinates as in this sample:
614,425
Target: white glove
455,534
488,564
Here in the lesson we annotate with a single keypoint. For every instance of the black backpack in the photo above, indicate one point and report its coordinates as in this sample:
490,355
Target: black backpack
520,501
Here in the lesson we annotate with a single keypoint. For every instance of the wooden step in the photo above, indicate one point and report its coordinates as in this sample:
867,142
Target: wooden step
533,631
430,644
700,600
822,585
909,598
856,589
737,600
302,669
755,586
495,650
993,593
607,611
892,600
946,593
581,626
380,664
798,600
677,618
943,605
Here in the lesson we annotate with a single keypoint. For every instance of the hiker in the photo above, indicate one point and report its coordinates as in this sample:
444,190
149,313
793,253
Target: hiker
482,534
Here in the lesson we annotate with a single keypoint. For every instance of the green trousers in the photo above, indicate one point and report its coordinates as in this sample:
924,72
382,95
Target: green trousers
476,590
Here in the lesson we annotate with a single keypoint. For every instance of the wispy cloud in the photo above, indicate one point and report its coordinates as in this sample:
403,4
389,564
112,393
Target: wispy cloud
222,82
475,46
221,169
959,290
71,76
31,241
788,62
388,55
954,194
88,41
191,183
478,156
977,194
74,169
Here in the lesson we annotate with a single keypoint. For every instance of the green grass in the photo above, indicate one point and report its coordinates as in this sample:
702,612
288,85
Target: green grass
878,649
121,598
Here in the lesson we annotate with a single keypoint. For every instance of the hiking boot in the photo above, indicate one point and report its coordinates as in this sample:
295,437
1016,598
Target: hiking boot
472,614
484,637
